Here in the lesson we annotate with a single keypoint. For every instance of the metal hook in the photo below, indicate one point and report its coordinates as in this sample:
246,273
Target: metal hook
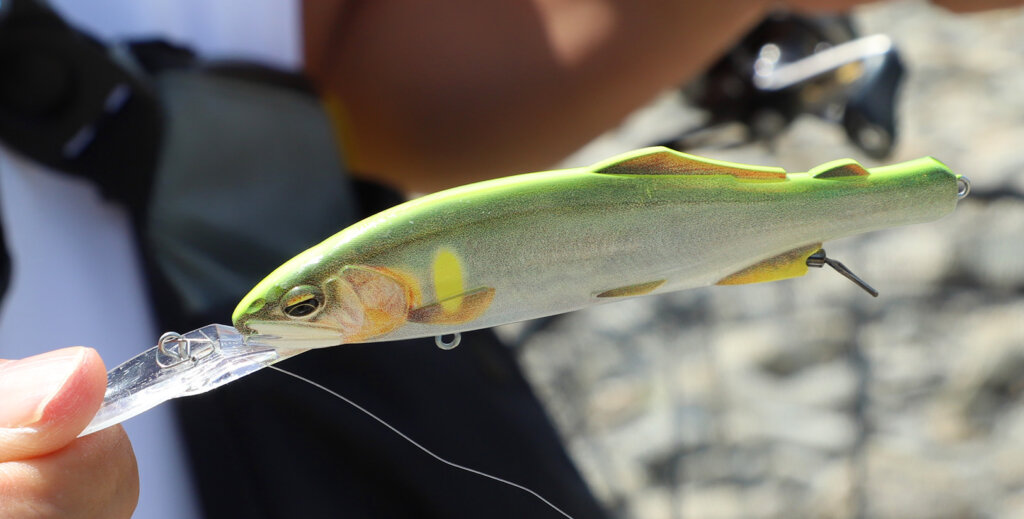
818,259
448,345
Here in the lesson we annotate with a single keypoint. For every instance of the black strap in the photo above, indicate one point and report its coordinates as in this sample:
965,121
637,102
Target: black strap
67,103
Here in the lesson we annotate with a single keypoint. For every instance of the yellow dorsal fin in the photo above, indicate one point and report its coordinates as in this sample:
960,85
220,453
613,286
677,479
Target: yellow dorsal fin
663,161
839,168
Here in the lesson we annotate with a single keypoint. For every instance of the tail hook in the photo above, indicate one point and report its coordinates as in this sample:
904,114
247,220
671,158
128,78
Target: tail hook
819,259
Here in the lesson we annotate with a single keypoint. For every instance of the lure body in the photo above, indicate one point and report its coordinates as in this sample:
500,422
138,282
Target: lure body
532,245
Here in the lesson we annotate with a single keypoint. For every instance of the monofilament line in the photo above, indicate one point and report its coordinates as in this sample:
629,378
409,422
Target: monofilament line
420,447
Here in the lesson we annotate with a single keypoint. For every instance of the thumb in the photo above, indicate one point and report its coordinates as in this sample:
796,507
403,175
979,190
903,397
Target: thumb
47,400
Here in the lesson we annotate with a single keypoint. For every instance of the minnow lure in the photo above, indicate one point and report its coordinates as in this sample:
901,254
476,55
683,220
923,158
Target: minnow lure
650,221
527,246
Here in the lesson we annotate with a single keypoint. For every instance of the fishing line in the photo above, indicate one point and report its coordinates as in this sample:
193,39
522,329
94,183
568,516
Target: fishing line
420,447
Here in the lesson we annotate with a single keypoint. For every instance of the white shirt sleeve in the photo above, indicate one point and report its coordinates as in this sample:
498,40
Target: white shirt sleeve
77,279
265,31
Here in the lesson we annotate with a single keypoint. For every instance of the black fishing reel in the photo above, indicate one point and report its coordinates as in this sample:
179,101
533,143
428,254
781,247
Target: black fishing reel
791,65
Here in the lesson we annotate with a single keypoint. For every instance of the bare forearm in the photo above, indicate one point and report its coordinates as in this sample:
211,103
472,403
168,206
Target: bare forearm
445,92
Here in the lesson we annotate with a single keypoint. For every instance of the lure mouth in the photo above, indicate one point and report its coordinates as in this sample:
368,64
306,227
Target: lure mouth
291,335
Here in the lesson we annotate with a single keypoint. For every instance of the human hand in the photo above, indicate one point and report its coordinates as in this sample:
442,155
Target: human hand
45,471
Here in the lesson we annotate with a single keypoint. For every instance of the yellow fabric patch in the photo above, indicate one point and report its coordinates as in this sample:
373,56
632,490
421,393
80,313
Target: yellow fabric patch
342,126
448,281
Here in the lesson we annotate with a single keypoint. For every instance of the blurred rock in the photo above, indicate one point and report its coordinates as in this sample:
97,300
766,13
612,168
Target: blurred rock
988,380
823,430
618,400
901,483
1009,507
832,386
832,492
993,254
714,502
907,260
808,398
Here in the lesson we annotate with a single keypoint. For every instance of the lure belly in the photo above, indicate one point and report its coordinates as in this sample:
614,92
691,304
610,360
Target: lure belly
527,246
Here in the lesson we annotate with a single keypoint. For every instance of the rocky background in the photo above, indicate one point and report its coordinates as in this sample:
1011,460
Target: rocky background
808,398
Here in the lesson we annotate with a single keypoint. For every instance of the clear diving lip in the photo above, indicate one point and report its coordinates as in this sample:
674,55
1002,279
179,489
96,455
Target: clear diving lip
182,365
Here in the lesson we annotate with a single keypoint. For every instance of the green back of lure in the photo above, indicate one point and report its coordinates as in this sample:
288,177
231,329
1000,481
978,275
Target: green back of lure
526,246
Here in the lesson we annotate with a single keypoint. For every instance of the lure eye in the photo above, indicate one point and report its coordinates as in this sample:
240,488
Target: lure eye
302,301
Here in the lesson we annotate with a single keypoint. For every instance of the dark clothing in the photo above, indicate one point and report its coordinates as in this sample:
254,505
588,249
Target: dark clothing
271,446
230,171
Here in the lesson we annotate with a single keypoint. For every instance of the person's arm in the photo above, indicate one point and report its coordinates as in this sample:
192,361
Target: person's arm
443,93
446,92
45,471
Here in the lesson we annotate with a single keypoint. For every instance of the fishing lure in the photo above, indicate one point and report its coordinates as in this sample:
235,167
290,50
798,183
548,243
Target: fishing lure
650,221
516,248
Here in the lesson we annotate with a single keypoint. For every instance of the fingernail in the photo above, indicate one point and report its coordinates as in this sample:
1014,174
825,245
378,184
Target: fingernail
28,385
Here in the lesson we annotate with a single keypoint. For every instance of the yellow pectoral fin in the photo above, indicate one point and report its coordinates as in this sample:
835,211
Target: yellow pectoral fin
469,305
789,264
